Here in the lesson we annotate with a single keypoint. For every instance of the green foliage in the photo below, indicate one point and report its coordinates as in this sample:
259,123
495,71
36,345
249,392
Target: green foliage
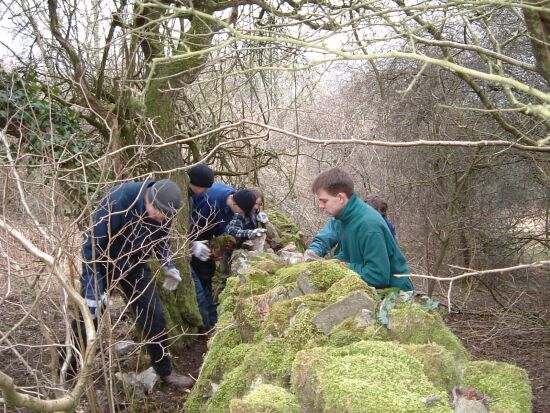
50,132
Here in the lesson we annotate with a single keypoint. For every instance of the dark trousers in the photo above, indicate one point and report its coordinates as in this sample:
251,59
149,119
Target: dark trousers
203,272
139,289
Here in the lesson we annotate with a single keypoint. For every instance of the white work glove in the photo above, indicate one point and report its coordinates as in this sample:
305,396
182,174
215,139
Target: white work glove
93,305
171,278
310,255
200,251
257,233
263,218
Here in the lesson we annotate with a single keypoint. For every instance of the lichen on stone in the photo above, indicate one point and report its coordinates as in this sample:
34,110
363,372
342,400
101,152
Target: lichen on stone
266,398
506,385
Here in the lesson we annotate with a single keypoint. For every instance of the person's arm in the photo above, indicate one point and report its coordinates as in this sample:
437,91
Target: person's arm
107,220
374,268
325,240
235,228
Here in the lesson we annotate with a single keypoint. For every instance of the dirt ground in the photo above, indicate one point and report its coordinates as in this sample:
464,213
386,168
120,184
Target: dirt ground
510,323
507,323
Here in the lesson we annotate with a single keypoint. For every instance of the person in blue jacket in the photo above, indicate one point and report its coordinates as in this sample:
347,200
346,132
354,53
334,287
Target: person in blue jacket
211,212
132,221
364,240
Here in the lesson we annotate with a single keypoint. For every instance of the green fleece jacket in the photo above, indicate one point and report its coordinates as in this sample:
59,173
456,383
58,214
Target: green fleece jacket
368,246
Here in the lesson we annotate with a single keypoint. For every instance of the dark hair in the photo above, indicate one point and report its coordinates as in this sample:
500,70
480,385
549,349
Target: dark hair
258,192
377,203
333,181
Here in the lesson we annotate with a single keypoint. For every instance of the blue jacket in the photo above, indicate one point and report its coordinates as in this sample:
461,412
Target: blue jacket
210,213
122,237
365,242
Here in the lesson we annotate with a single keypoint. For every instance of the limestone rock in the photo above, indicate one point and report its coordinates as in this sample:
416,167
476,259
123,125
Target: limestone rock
349,306
139,384
463,405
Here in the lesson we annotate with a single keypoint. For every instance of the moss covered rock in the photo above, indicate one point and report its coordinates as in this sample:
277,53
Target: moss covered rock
410,324
288,231
506,385
266,398
374,376
441,367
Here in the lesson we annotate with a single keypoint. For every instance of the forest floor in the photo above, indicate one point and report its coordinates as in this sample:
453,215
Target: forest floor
508,323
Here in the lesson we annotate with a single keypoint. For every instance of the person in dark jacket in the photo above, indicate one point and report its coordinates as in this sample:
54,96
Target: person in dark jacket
132,221
365,242
244,226
211,211
380,204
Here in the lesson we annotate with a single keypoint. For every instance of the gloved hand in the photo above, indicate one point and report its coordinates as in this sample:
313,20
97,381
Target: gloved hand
200,251
171,278
262,217
93,305
310,255
256,233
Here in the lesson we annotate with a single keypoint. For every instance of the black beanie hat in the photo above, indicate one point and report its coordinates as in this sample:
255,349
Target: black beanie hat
201,175
165,195
245,199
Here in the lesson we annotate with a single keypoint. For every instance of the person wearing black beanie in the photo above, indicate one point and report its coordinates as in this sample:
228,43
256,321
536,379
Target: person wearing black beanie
242,227
201,177
245,200
132,221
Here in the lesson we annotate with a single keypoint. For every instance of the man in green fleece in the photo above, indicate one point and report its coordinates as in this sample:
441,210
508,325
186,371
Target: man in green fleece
365,243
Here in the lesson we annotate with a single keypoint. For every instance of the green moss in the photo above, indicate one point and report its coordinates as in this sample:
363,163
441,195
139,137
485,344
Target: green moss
348,332
506,385
270,360
409,324
220,346
247,316
288,230
259,282
301,330
440,366
231,286
266,398
347,285
276,320
371,376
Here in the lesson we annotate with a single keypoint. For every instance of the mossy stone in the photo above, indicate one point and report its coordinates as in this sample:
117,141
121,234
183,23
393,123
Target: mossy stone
288,231
410,324
506,385
266,398
347,285
440,366
373,376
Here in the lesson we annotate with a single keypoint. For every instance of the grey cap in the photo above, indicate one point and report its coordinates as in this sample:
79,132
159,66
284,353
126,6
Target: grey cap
165,195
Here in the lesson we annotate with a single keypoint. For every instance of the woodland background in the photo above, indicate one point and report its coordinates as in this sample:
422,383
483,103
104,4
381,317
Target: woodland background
441,107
